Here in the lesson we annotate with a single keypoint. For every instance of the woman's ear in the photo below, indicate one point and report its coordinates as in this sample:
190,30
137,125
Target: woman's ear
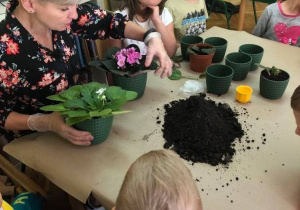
28,5
113,208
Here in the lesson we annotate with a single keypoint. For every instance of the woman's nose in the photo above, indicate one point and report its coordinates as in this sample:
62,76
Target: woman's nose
73,12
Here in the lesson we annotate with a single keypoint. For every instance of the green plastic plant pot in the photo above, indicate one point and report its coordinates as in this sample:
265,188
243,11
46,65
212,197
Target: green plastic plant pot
271,89
255,51
220,44
186,41
240,63
218,78
136,83
98,127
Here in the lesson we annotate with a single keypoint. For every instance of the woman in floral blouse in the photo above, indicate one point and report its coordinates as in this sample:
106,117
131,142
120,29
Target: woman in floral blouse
38,59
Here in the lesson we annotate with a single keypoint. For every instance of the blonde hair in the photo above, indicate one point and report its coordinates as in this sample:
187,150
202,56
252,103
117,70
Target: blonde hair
62,2
295,99
158,180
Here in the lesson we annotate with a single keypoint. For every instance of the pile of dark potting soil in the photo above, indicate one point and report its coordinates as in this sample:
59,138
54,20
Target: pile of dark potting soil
201,130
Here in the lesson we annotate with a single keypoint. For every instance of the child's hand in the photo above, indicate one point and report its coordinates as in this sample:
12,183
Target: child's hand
155,13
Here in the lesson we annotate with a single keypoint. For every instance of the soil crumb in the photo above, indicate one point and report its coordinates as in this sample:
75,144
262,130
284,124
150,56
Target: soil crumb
201,130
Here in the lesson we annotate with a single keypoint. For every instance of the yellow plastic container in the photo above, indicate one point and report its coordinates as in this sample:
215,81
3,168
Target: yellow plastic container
243,93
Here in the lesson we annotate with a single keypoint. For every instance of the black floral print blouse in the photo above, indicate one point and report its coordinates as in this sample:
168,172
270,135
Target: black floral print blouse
30,72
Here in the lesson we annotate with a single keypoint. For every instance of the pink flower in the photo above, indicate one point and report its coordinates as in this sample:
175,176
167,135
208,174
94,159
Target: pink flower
123,51
130,51
127,56
121,63
130,59
121,57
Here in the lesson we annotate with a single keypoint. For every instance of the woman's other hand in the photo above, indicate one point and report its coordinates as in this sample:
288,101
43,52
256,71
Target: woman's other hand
56,123
156,48
155,13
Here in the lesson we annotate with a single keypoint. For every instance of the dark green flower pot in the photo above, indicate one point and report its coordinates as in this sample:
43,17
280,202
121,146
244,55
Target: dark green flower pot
255,51
186,41
240,63
218,78
98,127
272,89
136,83
220,44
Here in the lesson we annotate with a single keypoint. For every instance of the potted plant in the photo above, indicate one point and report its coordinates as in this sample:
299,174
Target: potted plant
200,56
273,82
127,66
91,107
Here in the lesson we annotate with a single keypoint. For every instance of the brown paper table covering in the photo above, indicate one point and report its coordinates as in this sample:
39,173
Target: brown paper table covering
268,178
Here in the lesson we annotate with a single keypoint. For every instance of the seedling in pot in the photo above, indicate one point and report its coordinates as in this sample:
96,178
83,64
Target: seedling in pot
200,50
271,71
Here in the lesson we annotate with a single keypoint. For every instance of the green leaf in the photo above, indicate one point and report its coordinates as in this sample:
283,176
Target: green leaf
54,108
177,58
115,104
202,74
208,51
71,93
74,120
94,63
94,86
113,92
119,72
190,51
110,64
110,52
77,103
130,95
77,113
64,113
104,112
153,66
87,96
99,102
56,98
121,112
176,75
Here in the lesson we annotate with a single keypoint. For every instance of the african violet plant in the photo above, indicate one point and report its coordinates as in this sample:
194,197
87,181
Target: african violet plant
124,62
92,100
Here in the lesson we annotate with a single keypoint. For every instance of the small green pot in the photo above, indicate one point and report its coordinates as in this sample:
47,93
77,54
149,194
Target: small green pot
272,89
98,127
255,51
137,83
220,44
240,63
186,41
218,78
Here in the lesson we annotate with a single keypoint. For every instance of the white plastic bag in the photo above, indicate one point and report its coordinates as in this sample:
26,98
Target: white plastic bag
191,87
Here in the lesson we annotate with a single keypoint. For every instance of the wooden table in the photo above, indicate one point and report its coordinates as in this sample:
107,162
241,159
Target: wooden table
268,178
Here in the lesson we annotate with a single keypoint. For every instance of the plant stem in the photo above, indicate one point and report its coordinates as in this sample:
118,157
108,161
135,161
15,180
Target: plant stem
186,77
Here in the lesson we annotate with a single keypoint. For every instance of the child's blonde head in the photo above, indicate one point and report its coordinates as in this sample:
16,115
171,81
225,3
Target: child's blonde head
295,99
158,180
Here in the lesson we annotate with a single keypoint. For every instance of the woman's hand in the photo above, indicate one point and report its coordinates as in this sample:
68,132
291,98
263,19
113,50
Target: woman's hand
155,13
58,125
55,122
156,48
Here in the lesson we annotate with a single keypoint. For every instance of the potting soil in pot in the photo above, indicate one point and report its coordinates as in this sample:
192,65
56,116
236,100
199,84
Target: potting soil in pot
201,130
